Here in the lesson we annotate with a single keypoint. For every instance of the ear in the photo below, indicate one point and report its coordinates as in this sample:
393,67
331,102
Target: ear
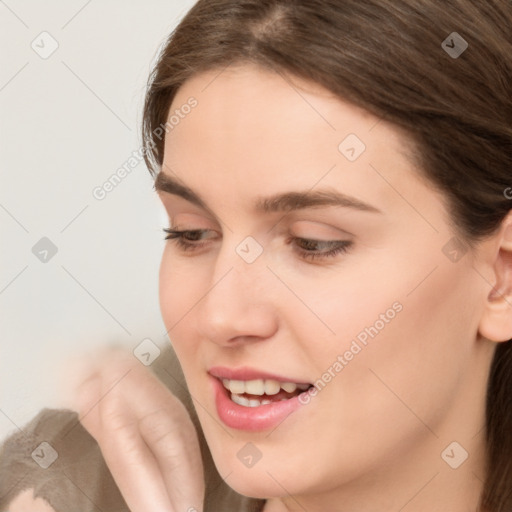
496,321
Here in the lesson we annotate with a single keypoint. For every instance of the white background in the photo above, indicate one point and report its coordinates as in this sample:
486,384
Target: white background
68,122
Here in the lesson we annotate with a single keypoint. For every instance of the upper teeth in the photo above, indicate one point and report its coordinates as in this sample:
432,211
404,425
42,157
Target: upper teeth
261,386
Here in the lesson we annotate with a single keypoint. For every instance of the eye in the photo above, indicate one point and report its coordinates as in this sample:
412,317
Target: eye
186,240
309,248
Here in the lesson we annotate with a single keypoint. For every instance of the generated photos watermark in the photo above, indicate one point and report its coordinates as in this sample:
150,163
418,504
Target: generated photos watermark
357,345
100,192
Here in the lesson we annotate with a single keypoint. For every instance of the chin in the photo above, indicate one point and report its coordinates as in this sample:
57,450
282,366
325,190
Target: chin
265,479
259,486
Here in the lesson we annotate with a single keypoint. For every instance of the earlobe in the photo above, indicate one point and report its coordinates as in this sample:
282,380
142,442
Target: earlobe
496,321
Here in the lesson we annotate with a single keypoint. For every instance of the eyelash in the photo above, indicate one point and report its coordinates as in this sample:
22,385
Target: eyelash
340,246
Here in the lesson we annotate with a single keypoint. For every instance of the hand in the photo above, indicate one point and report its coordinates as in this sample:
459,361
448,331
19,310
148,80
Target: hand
145,434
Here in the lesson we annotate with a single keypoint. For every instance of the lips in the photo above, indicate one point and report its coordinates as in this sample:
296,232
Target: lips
250,399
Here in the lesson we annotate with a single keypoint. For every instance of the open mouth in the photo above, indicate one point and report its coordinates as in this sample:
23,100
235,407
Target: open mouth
255,393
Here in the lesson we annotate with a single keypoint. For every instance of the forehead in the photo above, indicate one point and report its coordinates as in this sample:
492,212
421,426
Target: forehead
267,102
253,131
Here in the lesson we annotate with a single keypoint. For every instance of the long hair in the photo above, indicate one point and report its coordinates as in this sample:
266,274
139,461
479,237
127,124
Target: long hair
402,60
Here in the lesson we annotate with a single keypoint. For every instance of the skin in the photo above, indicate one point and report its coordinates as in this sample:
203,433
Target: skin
25,502
372,438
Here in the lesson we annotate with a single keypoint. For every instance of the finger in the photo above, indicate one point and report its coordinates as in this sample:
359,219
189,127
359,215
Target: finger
132,464
167,430
177,451
86,397
78,369
135,469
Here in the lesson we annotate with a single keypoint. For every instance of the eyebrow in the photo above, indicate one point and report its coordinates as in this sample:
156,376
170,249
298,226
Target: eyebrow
286,201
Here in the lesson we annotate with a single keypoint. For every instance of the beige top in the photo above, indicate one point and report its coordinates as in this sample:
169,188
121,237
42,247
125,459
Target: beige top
79,479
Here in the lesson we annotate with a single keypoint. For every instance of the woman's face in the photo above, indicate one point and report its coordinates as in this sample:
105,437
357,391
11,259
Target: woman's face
386,326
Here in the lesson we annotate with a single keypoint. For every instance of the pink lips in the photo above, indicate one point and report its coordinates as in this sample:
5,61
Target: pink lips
253,419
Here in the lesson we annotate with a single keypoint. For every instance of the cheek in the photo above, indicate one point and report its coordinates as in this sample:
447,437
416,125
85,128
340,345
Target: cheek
179,293
416,361
355,301
404,338
180,283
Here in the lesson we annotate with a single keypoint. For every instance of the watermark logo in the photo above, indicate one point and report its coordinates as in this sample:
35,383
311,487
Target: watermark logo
249,455
45,455
44,250
249,249
454,455
454,45
44,45
352,147
146,351
454,249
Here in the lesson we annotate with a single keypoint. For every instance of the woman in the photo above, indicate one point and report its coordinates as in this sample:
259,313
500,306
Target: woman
337,280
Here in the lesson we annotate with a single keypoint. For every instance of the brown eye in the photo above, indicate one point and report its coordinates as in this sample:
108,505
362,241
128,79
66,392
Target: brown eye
312,249
187,240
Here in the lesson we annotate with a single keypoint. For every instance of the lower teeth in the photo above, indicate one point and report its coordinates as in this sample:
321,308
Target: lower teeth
252,402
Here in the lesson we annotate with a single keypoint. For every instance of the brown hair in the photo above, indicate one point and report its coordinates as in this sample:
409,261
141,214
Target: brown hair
385,56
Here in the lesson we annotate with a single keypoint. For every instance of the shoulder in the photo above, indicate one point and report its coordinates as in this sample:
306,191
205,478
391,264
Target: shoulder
57,458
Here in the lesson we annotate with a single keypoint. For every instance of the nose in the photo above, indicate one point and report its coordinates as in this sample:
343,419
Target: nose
238,305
